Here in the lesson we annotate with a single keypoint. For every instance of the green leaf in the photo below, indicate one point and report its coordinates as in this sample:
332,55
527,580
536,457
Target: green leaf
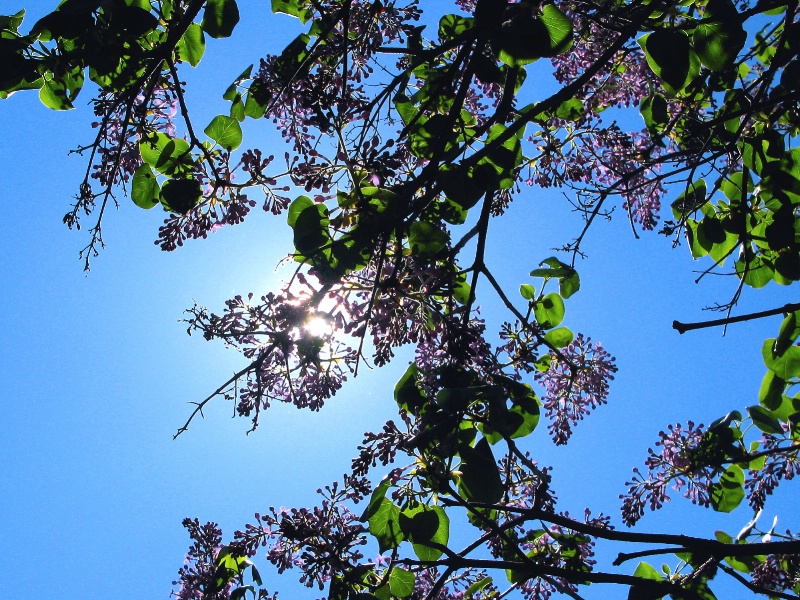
405,108
376,499
476,587
256,575
757,272
718,43
452,26
692,198
462,290
735,188
525,405
181,195
720,36
426,239
406,392
770,395
549,311
788,333
192,45
560,337
764,420
518,421
480,479
220,18
669,54
644,592
294,8
297,206
11,22
422,525
655,114
384,525
785,365
226,131
570,284
401,582
311,229
58,93
527,291
646,571
524,38
571,110
569,281
459,186
233,88
503,159
558,28
144,187
728,493
166,155
759,152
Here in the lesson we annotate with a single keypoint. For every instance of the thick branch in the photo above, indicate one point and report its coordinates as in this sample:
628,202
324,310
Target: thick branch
684,327
580,577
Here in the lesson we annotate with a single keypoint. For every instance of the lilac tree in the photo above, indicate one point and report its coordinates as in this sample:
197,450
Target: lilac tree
405,143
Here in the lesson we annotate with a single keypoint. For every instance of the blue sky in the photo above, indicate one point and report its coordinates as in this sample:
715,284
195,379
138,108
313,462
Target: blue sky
97,371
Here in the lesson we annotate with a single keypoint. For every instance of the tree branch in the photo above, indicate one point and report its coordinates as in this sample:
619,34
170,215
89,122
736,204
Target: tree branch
684,327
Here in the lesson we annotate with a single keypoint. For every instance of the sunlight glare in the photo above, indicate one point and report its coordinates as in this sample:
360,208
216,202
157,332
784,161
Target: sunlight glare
319,326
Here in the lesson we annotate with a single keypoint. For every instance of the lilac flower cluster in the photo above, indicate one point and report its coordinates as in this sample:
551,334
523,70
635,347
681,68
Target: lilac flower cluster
254,164
301,90
224,202
528,484
622,81
560,547
779,466
520,347
671,464
454,589
592,159
290,363
575,383
376,447
393,303
197,577
122,124
319,541
778,572
453,343
203,219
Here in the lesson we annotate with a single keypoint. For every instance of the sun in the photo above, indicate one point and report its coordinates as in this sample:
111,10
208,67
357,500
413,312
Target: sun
318,326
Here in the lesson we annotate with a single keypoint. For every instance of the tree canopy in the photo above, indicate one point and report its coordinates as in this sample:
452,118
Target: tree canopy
410,128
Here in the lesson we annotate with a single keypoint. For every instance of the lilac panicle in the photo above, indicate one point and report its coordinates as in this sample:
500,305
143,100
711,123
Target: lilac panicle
574,384
671,465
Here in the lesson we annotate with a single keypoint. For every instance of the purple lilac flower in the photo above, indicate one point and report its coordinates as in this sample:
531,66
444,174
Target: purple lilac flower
289,362
622,81
197,577
319,542
575,384
295,95
762,482
528,484
591,159
453,343
455,588
672,464
118,147
778,572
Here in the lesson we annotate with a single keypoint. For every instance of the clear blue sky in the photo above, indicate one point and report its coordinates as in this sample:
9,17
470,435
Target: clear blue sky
97,371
